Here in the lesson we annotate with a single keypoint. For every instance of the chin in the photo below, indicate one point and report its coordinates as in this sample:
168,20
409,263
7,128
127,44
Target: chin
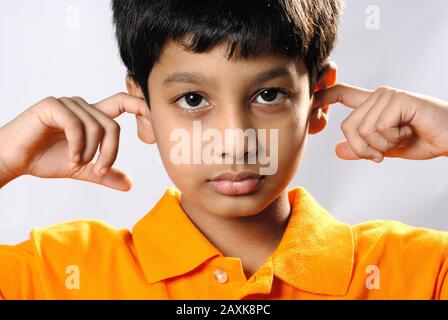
231,214
237,206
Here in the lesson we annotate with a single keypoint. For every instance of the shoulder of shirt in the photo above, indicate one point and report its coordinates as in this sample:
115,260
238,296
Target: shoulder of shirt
81,235
80,241
398,235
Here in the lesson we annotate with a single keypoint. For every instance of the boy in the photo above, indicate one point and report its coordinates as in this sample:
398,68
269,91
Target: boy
232,229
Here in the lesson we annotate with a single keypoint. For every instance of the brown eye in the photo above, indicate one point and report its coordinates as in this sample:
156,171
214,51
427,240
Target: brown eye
192,101
270,96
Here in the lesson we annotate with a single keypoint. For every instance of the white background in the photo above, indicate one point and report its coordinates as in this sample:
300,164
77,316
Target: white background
66,48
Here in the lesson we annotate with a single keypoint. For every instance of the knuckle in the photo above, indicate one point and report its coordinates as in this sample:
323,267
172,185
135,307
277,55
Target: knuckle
74,121
114,127
63,98
96,129
394,140
379,90
381,145
364,131
395,137
345,125
391,135
77,98
65,102
400,95
49,100
358,151
120,94
364,152
381,126
49,103
384,88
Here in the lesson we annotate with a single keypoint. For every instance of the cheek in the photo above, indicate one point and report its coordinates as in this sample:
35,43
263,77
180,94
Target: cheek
292,130
183,175
163,126
292,139
174,141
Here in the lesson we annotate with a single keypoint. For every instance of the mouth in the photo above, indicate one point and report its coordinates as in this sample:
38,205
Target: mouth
232,184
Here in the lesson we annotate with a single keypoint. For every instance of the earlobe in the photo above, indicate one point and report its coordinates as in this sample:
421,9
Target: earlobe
144,122
145,130
319,116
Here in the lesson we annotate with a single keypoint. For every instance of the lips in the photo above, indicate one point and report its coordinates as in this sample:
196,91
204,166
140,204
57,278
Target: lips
230,183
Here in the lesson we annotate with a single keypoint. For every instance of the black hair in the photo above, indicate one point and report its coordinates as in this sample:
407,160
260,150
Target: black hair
306,29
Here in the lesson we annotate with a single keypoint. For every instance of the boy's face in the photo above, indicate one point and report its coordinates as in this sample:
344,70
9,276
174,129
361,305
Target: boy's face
206,93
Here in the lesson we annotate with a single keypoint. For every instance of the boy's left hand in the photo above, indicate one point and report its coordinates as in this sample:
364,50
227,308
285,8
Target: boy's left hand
388,123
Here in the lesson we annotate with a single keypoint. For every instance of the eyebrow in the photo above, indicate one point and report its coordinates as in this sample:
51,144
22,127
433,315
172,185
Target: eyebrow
197,78
185,77
277,72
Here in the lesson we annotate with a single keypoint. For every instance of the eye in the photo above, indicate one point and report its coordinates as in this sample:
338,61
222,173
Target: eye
271,96
192,101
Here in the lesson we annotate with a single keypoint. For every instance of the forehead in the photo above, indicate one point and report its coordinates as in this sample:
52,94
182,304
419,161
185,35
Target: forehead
175,58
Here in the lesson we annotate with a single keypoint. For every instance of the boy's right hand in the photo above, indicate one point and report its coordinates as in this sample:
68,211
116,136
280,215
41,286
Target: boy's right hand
58,138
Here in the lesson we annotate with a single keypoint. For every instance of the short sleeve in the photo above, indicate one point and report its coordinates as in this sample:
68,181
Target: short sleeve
442,285
18,273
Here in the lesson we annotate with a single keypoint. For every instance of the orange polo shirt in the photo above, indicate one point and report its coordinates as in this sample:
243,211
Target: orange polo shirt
167,257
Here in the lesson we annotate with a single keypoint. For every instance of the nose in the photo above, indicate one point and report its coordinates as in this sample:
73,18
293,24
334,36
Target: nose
239,135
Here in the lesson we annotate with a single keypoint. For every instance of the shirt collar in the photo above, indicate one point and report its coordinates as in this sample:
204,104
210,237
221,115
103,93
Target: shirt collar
167,242
315,254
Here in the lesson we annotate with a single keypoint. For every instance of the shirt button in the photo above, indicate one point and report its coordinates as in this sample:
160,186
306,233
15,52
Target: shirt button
221,276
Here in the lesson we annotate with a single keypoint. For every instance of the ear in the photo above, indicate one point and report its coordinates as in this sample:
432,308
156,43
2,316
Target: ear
144,122
319,115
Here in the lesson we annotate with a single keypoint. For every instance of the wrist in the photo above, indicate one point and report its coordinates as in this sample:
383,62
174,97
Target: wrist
6,175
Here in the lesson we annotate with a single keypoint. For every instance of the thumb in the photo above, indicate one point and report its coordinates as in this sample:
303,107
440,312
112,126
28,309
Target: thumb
345,152
114,179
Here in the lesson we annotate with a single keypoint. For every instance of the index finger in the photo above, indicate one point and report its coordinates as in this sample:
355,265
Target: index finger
121,103
348,95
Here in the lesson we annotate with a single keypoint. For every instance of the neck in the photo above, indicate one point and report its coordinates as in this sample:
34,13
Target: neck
252,239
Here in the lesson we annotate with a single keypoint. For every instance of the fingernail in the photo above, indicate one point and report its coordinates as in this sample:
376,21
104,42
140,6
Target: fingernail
377,160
